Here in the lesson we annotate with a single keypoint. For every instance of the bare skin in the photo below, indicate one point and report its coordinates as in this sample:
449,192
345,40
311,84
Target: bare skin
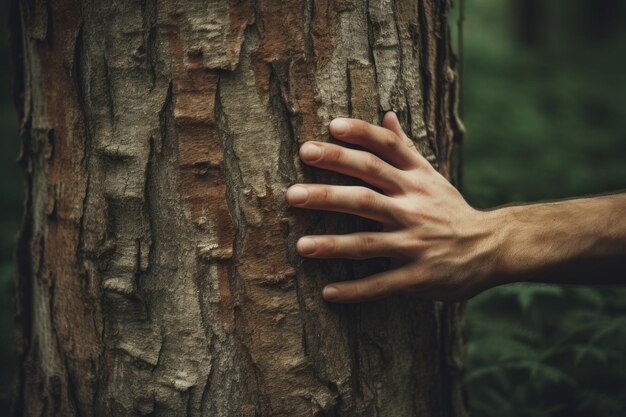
441,247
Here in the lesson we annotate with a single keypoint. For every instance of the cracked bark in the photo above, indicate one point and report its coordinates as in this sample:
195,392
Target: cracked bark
158,274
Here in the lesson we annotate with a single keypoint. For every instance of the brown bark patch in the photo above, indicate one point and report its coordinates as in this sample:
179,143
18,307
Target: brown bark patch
324,26
75,310
241,14
302,91
201,177
280,25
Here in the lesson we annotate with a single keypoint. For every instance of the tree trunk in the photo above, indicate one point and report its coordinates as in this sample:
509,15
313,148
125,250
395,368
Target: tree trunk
158,274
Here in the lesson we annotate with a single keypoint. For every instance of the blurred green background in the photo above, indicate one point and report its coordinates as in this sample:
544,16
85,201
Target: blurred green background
544,102
10,217
544,92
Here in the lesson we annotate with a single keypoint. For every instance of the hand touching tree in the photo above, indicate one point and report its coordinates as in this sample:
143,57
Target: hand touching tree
441,246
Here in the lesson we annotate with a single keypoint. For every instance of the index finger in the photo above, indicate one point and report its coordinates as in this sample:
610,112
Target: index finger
378,139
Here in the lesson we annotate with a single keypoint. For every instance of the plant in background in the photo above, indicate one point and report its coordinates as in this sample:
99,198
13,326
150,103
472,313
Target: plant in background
538,350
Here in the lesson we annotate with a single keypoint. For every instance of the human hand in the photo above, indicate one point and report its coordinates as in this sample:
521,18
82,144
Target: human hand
442,246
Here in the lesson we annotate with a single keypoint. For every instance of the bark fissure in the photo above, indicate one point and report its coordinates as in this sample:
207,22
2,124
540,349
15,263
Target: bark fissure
288,171
158,272
150,52
425,14
255,404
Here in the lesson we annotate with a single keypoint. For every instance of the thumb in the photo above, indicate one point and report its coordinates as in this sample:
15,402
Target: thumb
391,122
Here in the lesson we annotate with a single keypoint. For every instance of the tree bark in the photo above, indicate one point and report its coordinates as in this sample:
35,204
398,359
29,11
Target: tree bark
157,267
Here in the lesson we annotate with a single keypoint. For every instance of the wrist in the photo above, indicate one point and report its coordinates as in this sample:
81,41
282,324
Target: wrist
520,241
491,261
503,268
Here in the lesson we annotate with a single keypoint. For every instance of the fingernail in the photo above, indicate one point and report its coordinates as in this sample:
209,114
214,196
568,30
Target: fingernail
297,194
330,293
394,115
306,245
339,127
310,151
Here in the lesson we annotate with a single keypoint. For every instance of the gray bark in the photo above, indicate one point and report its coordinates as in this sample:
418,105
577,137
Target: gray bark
158,274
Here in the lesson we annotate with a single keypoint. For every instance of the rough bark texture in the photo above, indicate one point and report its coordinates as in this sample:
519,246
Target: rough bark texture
158,274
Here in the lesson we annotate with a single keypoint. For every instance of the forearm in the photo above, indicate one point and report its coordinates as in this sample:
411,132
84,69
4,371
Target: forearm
441,247
571,241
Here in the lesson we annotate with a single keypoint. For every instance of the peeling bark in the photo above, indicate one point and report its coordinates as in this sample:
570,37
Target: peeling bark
158,274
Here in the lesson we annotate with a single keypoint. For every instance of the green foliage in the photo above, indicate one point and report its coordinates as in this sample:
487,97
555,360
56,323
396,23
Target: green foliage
10,213
544,121
536,351
7,274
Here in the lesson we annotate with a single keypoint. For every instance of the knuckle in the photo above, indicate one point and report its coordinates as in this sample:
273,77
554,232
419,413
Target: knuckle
412,247
391,141
412,181
407,209
399,251
367,130
418,213
321,195
361,127
369,242
378,287
397,245
419,282
365,247
332,154
405,213
360,292
328,246
409,143
373,164
365,197
326,195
